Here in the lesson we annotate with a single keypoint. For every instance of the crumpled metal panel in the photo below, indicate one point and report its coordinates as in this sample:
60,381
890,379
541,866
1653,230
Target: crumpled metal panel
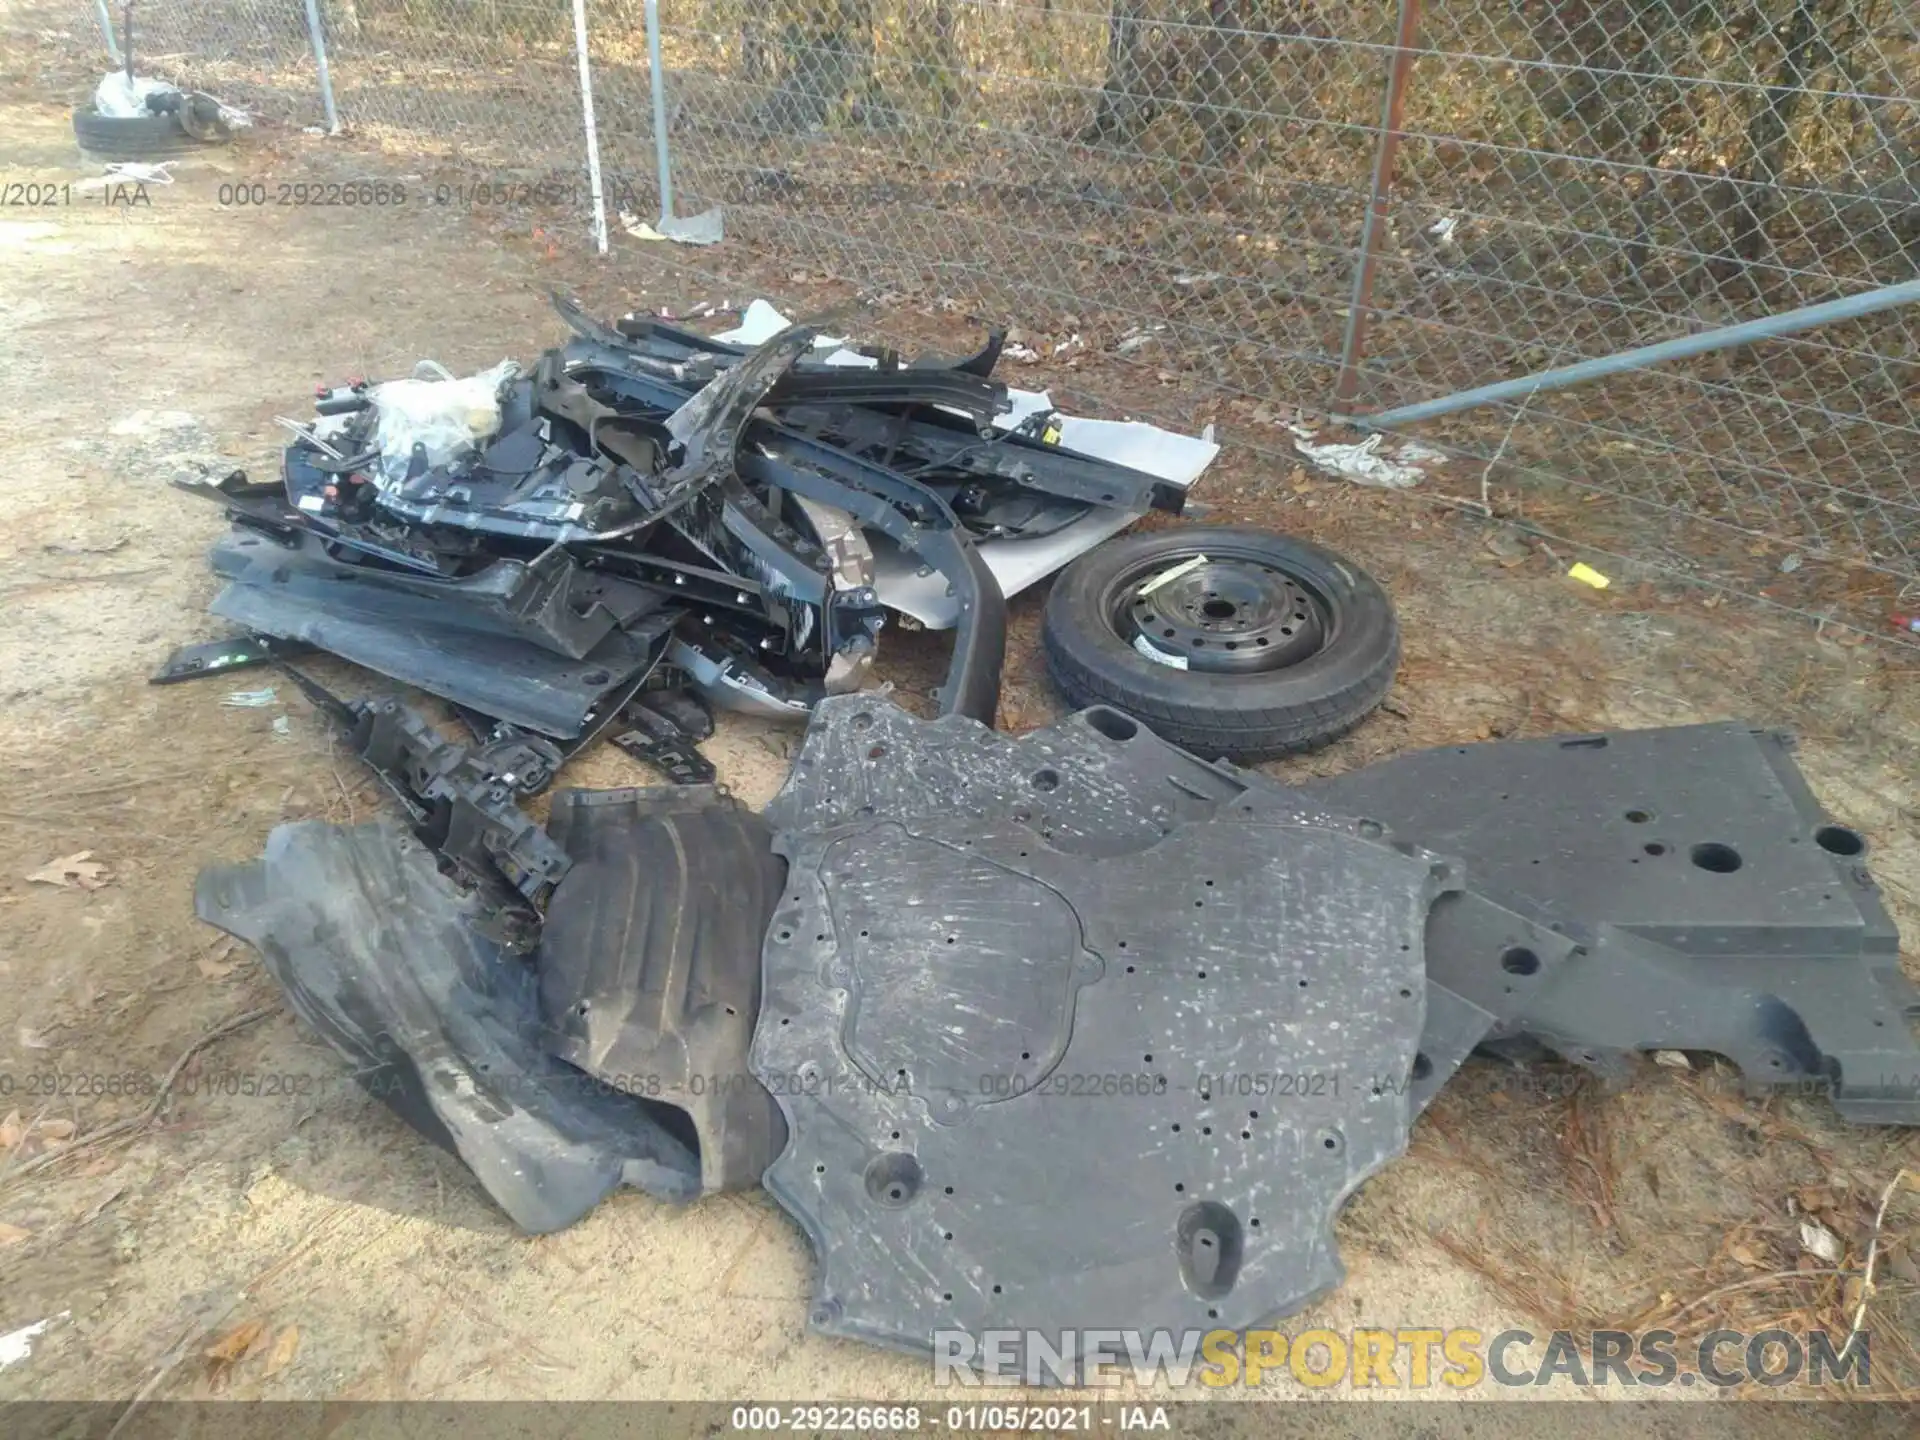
1205,1027
1718,907
650,960
378,952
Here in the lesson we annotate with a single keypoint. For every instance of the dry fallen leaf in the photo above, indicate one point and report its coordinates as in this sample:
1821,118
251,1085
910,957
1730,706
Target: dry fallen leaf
212,969
12,1132
1746,1255
78,871
12,1234
283,1350
56,1129
1814,1198
234,1345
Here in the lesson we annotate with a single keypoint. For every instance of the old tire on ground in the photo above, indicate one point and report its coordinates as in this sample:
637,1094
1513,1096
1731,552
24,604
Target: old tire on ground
131,137
1228,641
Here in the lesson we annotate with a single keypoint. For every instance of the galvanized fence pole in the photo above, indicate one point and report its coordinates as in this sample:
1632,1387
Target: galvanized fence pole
1392,113
589,125
106,29
1725,337
657,81
316,33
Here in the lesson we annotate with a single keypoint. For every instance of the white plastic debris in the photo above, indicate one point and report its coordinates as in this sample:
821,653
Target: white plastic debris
129,172
762,322
250,699
17,1345
1816,1239
1185,567
1443,228
1672,1059
282,728
125,99
1414,453
1362,463
437,410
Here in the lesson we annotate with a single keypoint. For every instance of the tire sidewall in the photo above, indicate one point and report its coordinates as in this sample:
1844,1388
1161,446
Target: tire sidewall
130,137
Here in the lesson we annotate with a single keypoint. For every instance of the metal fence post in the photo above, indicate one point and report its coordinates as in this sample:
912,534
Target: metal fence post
707,227
587,121
657,81
106,29
1392,112
1726,337
316,33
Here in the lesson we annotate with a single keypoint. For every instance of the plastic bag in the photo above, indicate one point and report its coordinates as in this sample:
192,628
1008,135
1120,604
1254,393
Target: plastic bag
438,410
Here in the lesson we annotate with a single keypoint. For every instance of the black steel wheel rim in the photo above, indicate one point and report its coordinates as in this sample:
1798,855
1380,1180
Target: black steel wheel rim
1219,614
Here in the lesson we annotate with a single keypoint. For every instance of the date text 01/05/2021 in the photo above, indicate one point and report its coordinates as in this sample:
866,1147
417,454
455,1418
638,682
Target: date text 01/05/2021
907,1419
398,195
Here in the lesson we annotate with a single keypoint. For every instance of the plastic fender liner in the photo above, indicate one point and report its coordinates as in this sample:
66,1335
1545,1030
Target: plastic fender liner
377,951
650,960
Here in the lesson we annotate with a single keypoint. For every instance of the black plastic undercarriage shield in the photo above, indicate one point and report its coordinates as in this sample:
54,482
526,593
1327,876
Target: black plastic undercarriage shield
650,960
976,984
379,953
1718,906
1485,962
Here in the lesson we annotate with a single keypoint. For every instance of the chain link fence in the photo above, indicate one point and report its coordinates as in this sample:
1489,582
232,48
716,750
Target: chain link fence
1186,186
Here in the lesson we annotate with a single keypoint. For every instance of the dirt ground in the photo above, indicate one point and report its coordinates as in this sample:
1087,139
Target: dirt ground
309,1245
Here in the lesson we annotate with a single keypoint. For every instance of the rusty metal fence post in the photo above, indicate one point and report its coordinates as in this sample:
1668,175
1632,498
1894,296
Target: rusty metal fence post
1392,114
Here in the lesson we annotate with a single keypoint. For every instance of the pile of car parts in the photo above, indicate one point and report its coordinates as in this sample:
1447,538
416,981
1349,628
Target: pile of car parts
1077,1030
1071,1030
1169,1014
645,508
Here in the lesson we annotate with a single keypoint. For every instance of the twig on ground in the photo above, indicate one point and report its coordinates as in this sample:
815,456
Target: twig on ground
1904,1175
1770,1279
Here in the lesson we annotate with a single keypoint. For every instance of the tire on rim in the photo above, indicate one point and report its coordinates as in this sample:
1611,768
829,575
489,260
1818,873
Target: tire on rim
1228,641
